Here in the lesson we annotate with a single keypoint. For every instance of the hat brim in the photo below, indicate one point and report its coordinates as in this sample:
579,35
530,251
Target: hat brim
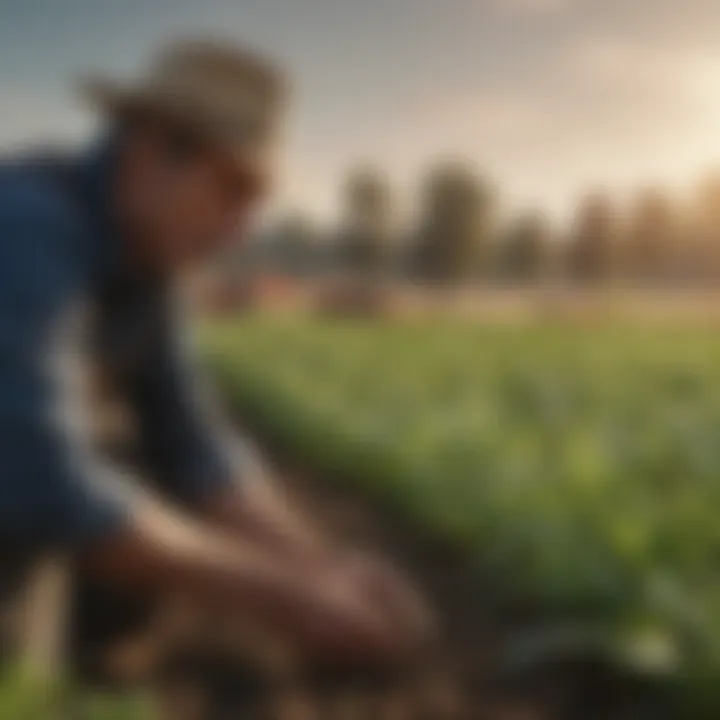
116,100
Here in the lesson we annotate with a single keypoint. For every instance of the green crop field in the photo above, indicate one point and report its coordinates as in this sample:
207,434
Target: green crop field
581,464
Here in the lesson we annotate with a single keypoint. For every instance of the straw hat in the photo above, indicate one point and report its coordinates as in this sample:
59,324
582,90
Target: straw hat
231,96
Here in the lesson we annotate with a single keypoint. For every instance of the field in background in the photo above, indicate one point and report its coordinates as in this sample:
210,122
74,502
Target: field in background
581,466
512,303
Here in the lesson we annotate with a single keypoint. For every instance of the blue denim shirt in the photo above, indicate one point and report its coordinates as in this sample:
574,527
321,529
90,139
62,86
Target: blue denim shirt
60,252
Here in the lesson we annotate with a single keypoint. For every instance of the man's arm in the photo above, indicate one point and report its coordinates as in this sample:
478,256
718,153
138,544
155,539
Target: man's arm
55,493
52,489
171,554
197,458
193,455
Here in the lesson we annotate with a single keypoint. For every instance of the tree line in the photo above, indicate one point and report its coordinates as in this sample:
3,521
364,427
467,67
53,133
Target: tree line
459,236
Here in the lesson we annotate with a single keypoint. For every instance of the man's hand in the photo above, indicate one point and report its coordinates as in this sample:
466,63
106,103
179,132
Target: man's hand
319,611
387,589
340,621
259,511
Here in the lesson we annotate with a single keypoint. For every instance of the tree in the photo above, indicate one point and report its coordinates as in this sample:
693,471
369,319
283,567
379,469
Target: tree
706,240
292,245
650,238
457,219
708,205
524,249
593,240
366,234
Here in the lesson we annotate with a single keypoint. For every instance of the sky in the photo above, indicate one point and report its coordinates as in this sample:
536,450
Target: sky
548,98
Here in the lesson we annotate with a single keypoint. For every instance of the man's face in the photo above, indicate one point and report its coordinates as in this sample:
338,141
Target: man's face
183,200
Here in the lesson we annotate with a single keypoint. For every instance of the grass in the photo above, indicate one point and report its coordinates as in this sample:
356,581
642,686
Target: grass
24,697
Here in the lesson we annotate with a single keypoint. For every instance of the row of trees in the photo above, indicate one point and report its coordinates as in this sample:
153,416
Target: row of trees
459,236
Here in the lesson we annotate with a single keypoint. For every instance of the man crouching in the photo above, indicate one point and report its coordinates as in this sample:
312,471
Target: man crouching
185,161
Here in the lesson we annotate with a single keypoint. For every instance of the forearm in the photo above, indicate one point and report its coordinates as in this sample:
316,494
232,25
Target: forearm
318,614
261,512
170,555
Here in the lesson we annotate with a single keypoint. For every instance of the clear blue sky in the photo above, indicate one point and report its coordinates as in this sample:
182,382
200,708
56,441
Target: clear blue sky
547,96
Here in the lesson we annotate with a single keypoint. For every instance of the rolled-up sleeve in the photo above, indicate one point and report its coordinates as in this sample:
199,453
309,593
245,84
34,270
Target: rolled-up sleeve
190,450
52,487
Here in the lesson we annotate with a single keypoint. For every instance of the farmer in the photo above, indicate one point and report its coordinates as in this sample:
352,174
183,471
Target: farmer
91,248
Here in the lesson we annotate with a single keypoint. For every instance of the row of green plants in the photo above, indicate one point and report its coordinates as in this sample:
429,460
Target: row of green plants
580,464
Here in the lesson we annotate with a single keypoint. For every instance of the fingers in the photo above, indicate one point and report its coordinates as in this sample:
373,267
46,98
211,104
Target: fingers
360,612
398,600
